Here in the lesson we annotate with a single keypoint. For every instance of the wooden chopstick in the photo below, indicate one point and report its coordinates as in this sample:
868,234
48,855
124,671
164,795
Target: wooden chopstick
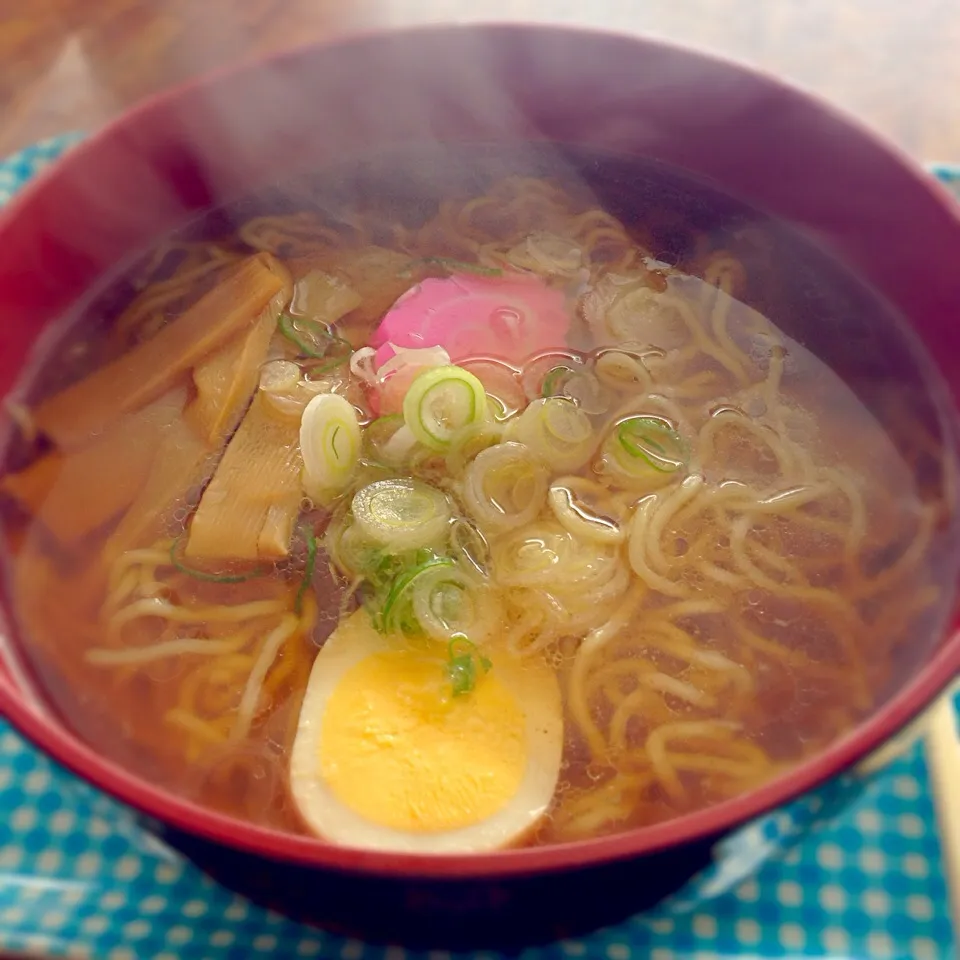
942,743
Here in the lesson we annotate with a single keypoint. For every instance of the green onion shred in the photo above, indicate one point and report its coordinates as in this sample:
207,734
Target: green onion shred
311,541
462,663
553,381
204,575
653,441
316,341
396,615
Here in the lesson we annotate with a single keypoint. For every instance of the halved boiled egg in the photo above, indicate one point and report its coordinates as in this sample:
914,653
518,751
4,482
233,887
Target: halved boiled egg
388,757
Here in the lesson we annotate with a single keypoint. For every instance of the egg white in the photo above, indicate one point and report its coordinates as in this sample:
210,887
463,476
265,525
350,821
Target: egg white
537,694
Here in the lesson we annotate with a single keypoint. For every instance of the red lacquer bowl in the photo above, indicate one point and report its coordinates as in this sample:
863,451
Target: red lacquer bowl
222,136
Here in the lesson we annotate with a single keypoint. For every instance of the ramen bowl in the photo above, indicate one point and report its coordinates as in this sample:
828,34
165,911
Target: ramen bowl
747,136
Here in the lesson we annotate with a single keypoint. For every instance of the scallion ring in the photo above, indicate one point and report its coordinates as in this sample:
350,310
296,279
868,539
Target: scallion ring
555,379
442,401
505,487
397,615
329,445
469,545
557,431
445,602
350,552
402,513
564,421
587,392
649,442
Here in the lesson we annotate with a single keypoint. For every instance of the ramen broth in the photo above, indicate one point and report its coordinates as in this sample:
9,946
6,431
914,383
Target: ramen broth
583,416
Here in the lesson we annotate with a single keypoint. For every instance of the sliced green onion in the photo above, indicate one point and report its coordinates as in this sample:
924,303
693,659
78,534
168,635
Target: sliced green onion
471,441
557,431
469,544
397,614
383,567
505,487
440,402
453,266
499,411
402,513
204,575
650,442
462,661
585,389
546,374
563,420
622,370
317,341
348,549
279,376
554,381
578,385
309,567
329,445
337,355
445,602
378,567
312,339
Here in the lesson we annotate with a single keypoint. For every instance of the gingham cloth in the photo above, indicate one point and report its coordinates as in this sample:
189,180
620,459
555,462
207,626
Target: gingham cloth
850,871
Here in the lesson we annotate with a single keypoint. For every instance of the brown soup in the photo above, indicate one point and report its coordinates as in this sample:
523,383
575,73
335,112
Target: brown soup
631,497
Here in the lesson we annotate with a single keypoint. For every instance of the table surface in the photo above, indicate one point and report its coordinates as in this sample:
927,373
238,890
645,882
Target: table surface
71,64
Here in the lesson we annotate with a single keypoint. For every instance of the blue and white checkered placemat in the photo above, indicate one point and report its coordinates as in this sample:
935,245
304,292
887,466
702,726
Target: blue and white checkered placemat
851,871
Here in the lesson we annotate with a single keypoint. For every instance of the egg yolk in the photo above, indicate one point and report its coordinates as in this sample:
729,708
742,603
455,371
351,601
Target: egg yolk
400,751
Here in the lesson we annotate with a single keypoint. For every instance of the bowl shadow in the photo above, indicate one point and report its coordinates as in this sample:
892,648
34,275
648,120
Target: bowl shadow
505,914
